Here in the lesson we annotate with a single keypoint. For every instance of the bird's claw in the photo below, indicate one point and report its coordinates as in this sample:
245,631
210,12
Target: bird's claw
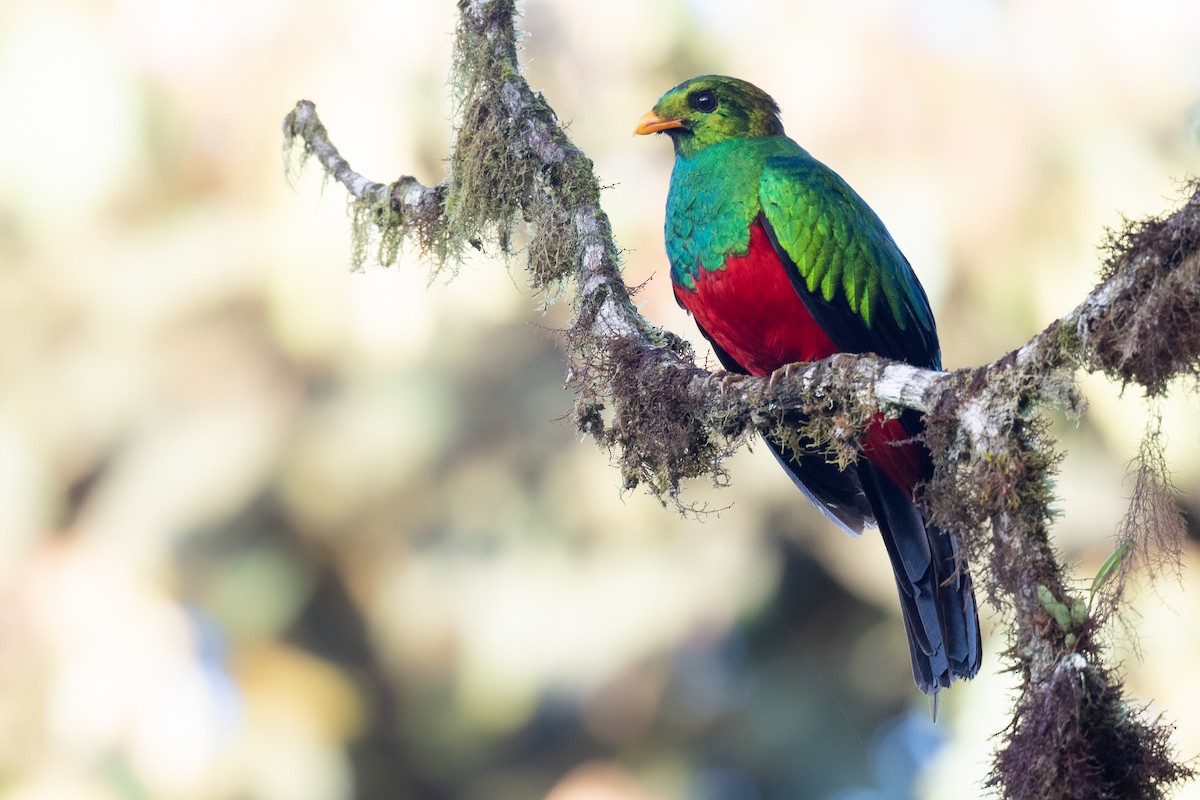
723,379
784,373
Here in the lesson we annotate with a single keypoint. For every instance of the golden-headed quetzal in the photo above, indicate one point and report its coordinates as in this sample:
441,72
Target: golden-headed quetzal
778,260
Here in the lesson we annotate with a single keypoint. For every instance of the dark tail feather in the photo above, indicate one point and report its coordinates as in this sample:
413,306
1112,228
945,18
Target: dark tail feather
936,597
837,493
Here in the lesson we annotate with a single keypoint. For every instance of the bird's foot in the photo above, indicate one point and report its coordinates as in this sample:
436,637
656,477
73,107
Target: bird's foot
723,380
784,373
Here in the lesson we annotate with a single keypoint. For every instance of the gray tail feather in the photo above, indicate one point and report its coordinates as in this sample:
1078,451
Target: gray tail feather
936,597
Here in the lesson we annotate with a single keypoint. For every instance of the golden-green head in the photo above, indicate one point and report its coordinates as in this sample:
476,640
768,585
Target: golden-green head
710,109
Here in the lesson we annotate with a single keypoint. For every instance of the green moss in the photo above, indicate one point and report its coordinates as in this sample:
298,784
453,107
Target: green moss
299,132
374,222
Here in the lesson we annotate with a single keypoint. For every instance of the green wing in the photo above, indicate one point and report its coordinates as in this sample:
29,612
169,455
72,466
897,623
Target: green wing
844,265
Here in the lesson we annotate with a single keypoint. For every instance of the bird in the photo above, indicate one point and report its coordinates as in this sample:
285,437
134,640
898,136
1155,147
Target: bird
778,260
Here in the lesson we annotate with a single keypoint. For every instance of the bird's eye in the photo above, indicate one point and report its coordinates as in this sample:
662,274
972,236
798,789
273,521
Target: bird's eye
704,101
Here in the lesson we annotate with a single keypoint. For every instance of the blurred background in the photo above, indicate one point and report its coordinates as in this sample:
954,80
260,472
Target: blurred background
273,530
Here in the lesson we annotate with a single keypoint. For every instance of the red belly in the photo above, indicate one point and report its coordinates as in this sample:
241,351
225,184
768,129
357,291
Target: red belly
752,311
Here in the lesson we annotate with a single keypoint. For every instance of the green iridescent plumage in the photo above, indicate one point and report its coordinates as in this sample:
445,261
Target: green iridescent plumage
837,243
737,167
714,197
779,260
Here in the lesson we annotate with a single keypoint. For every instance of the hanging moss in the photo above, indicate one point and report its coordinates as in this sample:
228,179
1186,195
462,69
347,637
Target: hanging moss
639,393
1149,330
1074,737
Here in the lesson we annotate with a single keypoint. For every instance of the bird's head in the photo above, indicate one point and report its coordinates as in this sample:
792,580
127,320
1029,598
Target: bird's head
711,109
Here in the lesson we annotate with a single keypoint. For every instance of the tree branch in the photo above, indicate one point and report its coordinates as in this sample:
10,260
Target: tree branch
640,393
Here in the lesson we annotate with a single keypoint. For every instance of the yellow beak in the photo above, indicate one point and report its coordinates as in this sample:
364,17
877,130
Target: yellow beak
653,123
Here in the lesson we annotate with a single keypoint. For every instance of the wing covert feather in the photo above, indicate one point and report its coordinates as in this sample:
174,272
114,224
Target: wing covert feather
844,264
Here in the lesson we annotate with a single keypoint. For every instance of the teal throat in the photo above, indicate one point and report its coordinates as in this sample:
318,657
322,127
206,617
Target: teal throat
713,199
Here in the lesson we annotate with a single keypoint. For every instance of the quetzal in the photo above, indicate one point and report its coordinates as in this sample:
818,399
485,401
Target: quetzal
778,260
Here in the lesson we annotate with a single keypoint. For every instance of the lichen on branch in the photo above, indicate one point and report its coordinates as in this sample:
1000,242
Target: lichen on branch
640,393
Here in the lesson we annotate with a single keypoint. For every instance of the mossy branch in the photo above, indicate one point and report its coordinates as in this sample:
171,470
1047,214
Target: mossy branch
640,393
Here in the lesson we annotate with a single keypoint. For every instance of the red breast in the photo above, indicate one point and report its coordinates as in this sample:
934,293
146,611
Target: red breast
751,310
